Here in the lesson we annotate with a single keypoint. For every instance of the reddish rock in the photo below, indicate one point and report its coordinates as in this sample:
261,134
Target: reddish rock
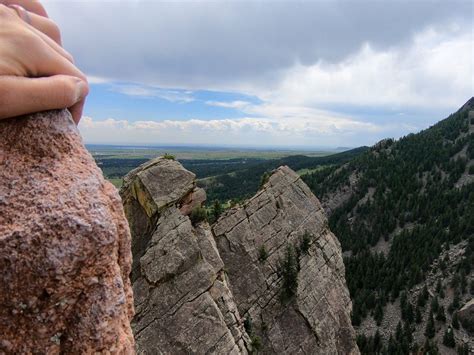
193,200
64,244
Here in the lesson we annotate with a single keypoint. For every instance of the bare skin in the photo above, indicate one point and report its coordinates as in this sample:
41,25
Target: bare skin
36,73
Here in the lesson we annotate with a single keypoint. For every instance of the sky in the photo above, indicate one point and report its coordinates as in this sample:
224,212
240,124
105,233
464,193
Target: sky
312,74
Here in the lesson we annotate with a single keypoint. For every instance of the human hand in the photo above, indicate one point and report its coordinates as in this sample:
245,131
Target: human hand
36,73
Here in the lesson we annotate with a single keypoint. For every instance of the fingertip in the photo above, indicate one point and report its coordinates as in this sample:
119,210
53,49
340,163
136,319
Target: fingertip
81,88
76,111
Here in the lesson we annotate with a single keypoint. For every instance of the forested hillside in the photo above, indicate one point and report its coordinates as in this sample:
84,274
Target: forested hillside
238,184
404,213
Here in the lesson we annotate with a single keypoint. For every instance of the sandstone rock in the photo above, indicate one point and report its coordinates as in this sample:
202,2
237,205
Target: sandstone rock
317,319
159,183
194,199
64,244
183,302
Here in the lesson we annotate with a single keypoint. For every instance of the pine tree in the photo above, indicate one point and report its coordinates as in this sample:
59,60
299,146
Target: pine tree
290,273
378,314
418,317
448,338
435,305
455,321
216,210
430,330
441,316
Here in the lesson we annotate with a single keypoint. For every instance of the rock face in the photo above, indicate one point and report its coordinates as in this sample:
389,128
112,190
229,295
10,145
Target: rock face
64,244
182,299
317,319
203,290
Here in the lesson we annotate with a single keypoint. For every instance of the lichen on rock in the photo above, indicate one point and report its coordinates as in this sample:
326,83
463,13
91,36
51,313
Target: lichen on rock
64,244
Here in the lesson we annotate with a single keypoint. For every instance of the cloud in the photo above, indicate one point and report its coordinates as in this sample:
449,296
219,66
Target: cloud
97,80
434,70
148,92
232,104
315,68
236,45
313,129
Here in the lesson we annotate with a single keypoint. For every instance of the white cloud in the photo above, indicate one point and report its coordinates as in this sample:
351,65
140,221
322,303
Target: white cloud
148,92
434,70
316,129
232,104
97,79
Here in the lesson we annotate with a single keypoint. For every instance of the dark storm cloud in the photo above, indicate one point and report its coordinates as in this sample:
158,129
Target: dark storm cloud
226,44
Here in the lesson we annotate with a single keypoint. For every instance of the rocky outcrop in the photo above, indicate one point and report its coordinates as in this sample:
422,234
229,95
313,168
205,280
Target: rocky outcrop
285,214
220,291
183,302
64,244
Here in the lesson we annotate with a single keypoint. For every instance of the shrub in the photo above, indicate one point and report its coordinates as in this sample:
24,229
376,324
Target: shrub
256,343
248,325
264,179
198,214
262,254
305,242
169,156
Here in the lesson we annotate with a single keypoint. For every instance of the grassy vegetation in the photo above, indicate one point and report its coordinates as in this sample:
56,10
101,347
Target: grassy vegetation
306,171
116,182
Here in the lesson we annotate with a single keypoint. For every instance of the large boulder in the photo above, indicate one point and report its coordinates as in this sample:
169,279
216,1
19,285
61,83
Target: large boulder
283,221
182,299
64,244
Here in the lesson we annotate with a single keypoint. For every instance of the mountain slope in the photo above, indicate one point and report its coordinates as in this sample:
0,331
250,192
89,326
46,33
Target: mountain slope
400,211
244,182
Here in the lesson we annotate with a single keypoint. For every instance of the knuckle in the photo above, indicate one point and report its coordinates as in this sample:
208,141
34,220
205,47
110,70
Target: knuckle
55,32
6,12
66,93
69,57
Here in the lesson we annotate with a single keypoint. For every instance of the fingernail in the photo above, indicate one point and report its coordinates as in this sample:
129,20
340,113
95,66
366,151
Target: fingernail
82,90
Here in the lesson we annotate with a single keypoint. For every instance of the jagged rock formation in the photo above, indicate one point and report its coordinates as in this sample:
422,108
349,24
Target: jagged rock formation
64,244
193,295
183,302
317,320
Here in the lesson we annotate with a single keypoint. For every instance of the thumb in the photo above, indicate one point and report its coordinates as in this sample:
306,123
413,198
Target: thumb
20,96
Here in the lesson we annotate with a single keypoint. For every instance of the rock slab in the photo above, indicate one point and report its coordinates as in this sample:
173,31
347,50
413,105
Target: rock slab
285,214
182,298
65,253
